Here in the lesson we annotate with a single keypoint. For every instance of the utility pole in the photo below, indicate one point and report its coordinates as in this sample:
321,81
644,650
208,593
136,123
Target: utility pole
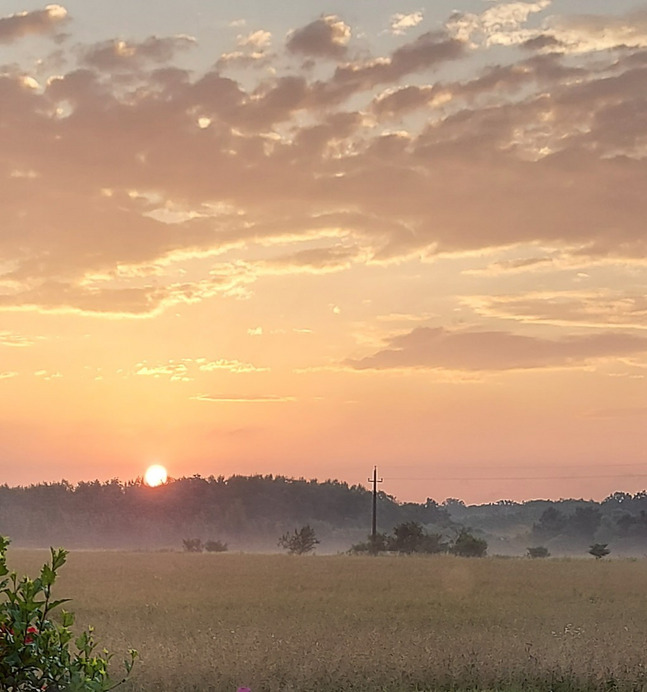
375,481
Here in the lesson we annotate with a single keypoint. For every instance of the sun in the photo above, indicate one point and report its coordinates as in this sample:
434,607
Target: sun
155,475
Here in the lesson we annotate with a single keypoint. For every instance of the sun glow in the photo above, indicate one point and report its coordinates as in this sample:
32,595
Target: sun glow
155,475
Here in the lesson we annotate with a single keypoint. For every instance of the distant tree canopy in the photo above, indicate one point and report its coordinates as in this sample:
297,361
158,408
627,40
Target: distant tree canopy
239,508
111,513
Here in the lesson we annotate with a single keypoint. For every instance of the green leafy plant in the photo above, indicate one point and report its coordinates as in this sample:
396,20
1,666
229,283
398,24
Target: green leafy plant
37,652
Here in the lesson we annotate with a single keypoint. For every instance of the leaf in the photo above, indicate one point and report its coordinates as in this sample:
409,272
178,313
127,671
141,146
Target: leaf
57,603
67,618
47,575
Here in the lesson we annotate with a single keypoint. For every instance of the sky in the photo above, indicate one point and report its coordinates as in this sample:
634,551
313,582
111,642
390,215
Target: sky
308,238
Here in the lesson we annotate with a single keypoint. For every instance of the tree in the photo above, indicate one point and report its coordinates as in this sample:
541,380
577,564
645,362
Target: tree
299,542
410,537
599,550
539,551
193,545
215,547
453,503
468,545
371,545
617,498
407,537
585,521
550,523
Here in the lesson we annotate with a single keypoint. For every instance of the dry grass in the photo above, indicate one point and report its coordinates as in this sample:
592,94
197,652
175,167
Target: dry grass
279,623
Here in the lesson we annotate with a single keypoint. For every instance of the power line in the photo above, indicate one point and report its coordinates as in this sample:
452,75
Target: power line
517,478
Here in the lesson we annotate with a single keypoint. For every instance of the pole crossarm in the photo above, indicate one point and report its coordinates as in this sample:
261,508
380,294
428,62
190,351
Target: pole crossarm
375,480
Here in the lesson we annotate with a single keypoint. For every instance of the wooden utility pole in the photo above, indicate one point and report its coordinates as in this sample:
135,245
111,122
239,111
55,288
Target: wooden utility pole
375,481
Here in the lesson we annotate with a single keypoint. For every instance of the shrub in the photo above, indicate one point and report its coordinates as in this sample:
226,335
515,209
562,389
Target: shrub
192,545
215,547
299,542
373,546
411,537
539,551
37,653
468,545
599,550
407,537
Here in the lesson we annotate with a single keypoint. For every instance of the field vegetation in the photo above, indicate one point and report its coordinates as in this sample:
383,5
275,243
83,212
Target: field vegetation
279,623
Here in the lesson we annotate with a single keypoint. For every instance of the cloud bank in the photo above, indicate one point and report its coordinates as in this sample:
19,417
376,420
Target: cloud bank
125,165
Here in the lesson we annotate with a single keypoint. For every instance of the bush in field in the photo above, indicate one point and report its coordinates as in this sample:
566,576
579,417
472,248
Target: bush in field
407,537
372,545
299,542
468,545
410,537
193,545
37,653
599,550
216,547
539,551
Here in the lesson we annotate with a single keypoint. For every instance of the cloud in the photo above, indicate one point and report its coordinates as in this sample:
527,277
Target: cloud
258,40
12,339
326,37
401,23
28,23
429,348
261,399
505,25
314,261
47,375
119,54
8,374
141,177
395,103
186,369
234,366
590,33
252,51
501,24
517,266
136,302
175,371
427,52
609,309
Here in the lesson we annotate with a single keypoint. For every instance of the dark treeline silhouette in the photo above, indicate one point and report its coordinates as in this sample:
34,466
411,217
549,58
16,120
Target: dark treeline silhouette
246,511
250,512
564,526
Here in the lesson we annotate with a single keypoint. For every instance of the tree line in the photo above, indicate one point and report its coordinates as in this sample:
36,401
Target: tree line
252,511
235,509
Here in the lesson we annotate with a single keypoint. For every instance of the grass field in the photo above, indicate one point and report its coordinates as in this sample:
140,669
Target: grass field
323,623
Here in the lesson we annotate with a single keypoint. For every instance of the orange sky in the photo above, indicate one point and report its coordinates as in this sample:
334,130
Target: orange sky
303,242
